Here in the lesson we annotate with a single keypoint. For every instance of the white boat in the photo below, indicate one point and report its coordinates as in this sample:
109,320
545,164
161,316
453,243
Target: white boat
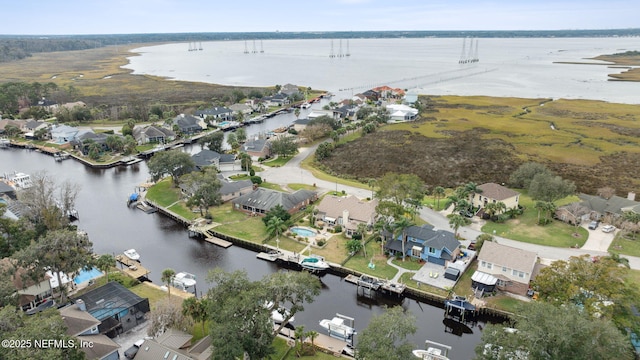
429,354
184,280
337,328
19,180
132,254
305,105
314,263
278,315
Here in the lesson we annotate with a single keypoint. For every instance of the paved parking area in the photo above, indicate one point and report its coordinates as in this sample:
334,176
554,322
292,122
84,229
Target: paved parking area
127,339
598,240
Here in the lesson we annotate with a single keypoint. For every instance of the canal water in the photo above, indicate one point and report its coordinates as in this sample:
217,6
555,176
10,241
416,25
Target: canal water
113,228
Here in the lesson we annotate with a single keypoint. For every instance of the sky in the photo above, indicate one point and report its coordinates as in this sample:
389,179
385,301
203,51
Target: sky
66,17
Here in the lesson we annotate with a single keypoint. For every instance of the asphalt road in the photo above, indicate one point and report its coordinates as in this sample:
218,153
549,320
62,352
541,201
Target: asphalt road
596,245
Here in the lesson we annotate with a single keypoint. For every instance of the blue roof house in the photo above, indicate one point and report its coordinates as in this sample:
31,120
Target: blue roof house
63,134
424,243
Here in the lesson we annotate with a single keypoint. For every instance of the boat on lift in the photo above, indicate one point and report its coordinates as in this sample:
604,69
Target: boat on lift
132,254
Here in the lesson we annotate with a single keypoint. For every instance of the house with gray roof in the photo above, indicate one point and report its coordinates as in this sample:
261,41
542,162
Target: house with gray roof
85,137
217,113
153,134
175,345
261,201
233,189
188,124
278,99
300,124
507,268
222,162
63,134
257,148
289,89
614,206
347,212
425,243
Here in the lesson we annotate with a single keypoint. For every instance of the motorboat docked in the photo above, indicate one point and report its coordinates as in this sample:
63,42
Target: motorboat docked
132,254
280,314
19,180
337,328
460,303
429,354
184,280
305,105
314,263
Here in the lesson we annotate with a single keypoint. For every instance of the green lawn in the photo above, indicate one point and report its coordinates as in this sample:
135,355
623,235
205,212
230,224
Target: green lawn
361,264
409,264
225,214
625,246
163,193
287,243
504,302
296,187
251,229
279,161
525,228
183,211
271,186
154,295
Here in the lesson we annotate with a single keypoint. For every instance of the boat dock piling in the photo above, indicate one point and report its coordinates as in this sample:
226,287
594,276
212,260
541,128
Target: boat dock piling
132,268
203,230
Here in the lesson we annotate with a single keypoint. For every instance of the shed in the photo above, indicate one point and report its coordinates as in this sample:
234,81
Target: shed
452,274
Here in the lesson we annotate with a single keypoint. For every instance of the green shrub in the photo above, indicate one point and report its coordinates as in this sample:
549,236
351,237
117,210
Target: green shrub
321,243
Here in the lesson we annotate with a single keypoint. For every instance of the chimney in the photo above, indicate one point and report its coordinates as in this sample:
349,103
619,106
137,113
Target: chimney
345,216
81,305
631,196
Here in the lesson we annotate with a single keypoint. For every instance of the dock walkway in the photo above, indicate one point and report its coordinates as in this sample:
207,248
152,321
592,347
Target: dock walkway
132,268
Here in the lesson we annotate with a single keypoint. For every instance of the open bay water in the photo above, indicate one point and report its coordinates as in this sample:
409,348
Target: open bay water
507,67
162,243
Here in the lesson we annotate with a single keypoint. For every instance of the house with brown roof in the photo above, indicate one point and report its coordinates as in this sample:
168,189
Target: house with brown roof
347,212
31,293
84,327
175,345
261,201
504,268
494,193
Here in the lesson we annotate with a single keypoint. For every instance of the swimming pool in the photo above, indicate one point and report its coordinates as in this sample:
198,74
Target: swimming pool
304,231
85,275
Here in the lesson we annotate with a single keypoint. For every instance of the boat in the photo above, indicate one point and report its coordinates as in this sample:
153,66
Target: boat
429,354
305,106
184,280
314,263
132,254
337,328
19,180
460,303
278,315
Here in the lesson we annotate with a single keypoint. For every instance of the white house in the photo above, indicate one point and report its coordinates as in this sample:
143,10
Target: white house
63,134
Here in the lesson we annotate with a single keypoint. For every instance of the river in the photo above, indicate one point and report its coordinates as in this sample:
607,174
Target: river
113,227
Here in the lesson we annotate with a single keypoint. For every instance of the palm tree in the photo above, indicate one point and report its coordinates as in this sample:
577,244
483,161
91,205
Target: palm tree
167,277
372,184
400,227
500,207
362,230
196,309
312,335
457,221
296,112
473,189
491,209
438,193
104,263
275,226
539,206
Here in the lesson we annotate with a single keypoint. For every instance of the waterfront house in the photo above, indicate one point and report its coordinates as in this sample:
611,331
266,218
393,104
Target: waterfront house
222,162
153,134
84,327
31,126
257,148
614,206
424,243
289,90
31,293
63,134
504,268
410,98
278,99
243,109
347,212
494,193
262,200
300,124
233,189
318,113
400,112
359,99
20,124
116,307
188,124
217,113
85,137
371,95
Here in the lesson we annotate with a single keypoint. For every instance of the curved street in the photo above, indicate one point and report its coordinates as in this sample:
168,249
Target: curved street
293,173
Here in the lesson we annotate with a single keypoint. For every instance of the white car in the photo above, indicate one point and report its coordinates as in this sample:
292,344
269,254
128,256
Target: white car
608,228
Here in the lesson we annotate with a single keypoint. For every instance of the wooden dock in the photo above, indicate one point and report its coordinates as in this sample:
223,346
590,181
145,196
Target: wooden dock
368,282
132,268
322,341
217,241
203,230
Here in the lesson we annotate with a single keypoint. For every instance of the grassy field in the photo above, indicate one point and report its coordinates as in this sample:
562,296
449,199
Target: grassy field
296,187
279,161
251,229
625,246
483,139
163,193
525,228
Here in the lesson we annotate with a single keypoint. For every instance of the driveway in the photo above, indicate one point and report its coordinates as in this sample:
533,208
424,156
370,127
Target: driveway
598,240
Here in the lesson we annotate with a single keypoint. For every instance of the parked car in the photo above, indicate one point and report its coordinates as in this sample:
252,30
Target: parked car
133,350
472,246
608,228
593,225
466,213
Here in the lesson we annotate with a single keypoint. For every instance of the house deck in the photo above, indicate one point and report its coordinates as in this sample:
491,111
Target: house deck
132,268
